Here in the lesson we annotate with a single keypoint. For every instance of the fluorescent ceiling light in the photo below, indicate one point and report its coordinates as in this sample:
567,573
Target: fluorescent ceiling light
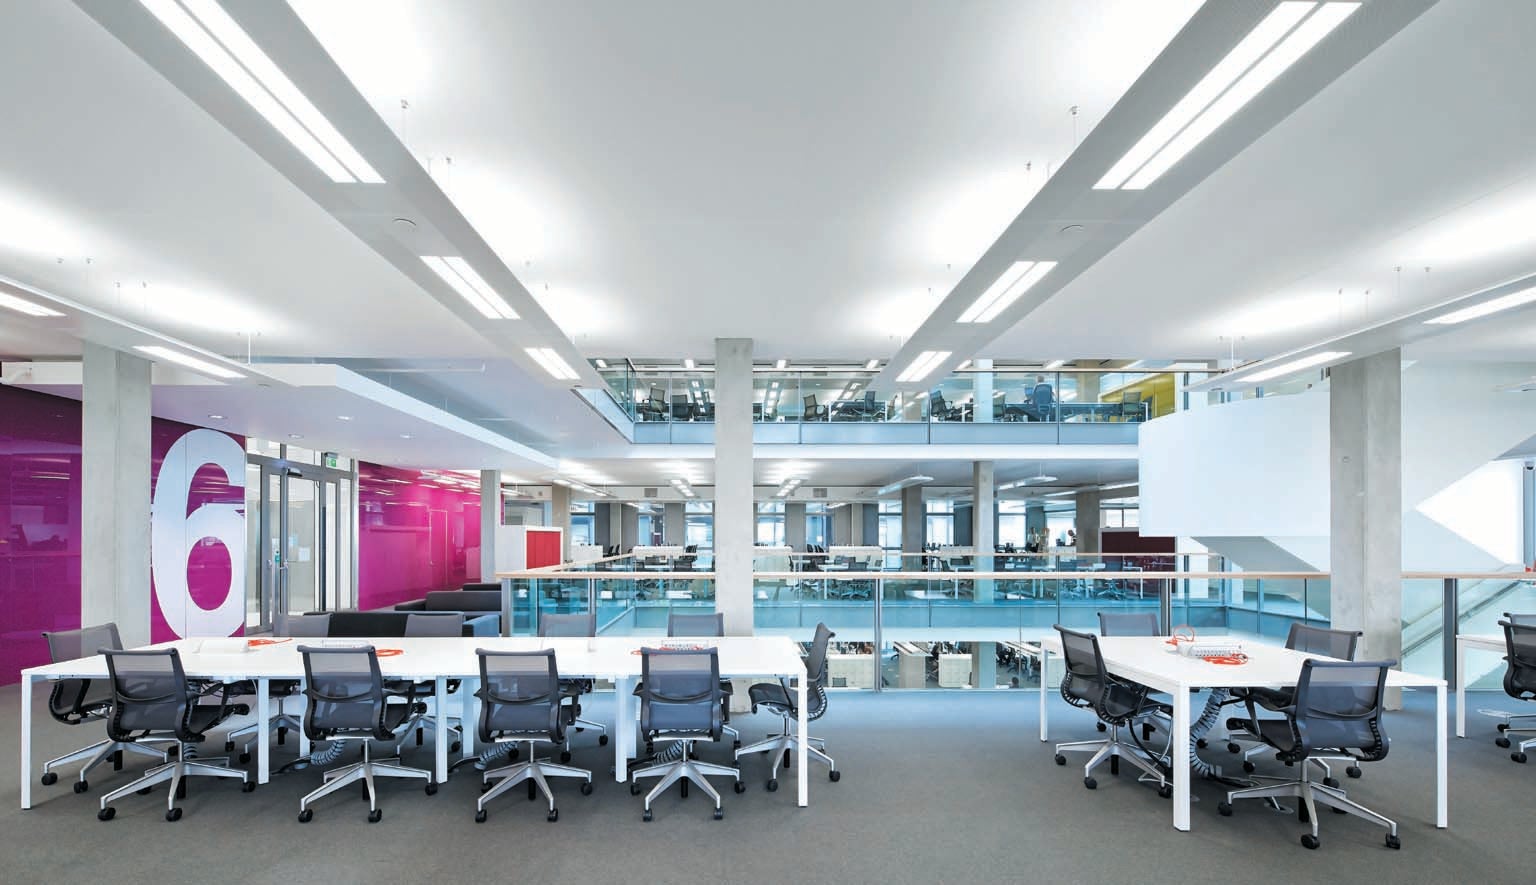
552,363
457,273
1015,281
924,365
900,484
27,307
872,364
1494,305
1118,485
1135,364
601,364
191,362
1230,85
781,364
688,364
787,487
963,366
214,37
1054,364
1306,362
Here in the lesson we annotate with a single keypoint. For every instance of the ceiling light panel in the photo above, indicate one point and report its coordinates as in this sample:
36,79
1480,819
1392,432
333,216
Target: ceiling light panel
1286,368
21,305
552,363
1476,311
209,32
924,365
1014,282
457,273
191,362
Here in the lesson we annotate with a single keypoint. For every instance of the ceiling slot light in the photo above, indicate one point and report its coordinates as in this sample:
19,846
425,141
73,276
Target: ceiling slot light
689,364
1054,364
1014,282
1227,88
552,363
900,484
1286,368
872,364
206,29
1476,311
781,364
191,362
601,364
923,366
21,305
457,273
963,366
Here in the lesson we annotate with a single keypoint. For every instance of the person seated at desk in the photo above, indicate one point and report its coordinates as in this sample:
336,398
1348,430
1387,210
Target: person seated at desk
1042,400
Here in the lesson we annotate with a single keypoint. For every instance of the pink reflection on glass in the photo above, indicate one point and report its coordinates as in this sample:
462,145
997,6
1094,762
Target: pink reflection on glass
416,532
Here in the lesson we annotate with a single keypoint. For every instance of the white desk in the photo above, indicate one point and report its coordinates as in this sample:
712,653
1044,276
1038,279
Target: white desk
668,550
1144,660
1481,642
443,658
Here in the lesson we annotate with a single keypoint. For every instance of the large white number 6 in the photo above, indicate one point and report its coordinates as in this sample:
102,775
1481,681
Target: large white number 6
173,533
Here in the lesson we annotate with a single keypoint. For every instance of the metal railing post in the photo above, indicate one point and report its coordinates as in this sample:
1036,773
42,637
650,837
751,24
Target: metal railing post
1450,618
879,639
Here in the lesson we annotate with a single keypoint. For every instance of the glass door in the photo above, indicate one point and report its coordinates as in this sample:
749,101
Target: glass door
300,517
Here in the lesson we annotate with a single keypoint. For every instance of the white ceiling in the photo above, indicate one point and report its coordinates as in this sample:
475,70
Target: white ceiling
830,471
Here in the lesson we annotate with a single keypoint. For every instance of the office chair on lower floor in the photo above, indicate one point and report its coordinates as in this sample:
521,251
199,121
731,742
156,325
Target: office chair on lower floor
78,701
779,697
1118,703
574,625
1519,681
296,626
707,625
522,700
1338,644
680,702
347,702
151,695
1129,624
1337,712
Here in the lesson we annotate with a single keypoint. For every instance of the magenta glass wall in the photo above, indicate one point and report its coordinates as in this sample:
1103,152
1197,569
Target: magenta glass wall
39,525
417,531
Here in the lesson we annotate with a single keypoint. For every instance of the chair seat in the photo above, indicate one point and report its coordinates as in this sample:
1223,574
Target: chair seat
1276,699
203,717
771,694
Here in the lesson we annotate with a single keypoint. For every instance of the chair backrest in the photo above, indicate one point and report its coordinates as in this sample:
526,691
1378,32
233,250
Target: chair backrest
72,699
345,691
1084,660
869,400
1043,395
809,404
1520,648
519,694
681,624
680,691
149,692
1129,624
1339,644
816,661
1338,706
1526,620
303,626
658,396
568,625
434,624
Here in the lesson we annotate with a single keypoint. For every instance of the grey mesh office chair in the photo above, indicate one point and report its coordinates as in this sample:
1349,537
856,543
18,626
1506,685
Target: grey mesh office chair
680,702
1129,624
1118,703
78,701
780,697
441,624
713,624
1519,679
574,625
151,695
347,702
297,626
521,700
1338,644
1337,711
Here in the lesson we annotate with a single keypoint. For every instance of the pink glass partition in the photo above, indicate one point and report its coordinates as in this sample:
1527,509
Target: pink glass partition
417,531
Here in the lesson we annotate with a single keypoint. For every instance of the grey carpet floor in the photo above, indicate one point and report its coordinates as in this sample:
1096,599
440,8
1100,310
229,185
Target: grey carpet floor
937,787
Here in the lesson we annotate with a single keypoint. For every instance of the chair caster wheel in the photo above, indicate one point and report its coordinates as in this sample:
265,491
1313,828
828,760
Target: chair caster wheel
375,815
1331,782
1090,783
173,815
106,813
1518,757
1060,759
145,791
602,740
1309,841
1248,766
772,785
50,778
1232,747
586,788
480,816
1102,727
248,787
82,786
1165,791
1501,742
719,813
554,815
647,816
1503,726
1353,771
834,775
1394,843
739,786
1224,809
456,746
431,788
229,745
634,789
1202,743
736,745
565,756
244,758
306,816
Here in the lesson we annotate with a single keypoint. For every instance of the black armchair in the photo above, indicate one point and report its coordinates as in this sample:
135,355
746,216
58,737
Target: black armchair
812,411
1519,679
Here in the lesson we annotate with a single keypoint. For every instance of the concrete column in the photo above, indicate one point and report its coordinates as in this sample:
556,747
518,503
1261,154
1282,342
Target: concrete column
602,524
734,514
1088,522
871,522
984,528
842,526
560,518
983,390
490,518
794,524
1365,503
114,513
672,518
914,526
856,521
629,526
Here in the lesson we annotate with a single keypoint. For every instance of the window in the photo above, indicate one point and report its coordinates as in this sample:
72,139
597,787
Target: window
940,522
583,522
699,524
770,524
818,524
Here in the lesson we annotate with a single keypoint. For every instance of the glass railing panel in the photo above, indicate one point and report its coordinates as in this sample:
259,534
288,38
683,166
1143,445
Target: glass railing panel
952,398
639,605
1481,603
774,396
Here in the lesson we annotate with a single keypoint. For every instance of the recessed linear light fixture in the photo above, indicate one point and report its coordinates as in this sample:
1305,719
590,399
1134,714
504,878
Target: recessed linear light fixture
872,364
552,363
900,484
1257,60
1476,311
689,364
21,305
206,29
1306,362
457,273
1039,479
601,364
580,487
1053,365
683,488
781,364
1014,282
787,487
924,365
191,362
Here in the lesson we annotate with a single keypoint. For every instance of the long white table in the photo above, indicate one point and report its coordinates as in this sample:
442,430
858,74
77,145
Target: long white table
1480,642
440,659
1145,659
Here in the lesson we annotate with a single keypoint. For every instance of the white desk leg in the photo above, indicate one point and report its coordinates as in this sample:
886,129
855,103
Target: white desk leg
623,726
27,682
263,735
1442,762
1181,709
1461,688
467,720
804,734
440,705
1045,660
